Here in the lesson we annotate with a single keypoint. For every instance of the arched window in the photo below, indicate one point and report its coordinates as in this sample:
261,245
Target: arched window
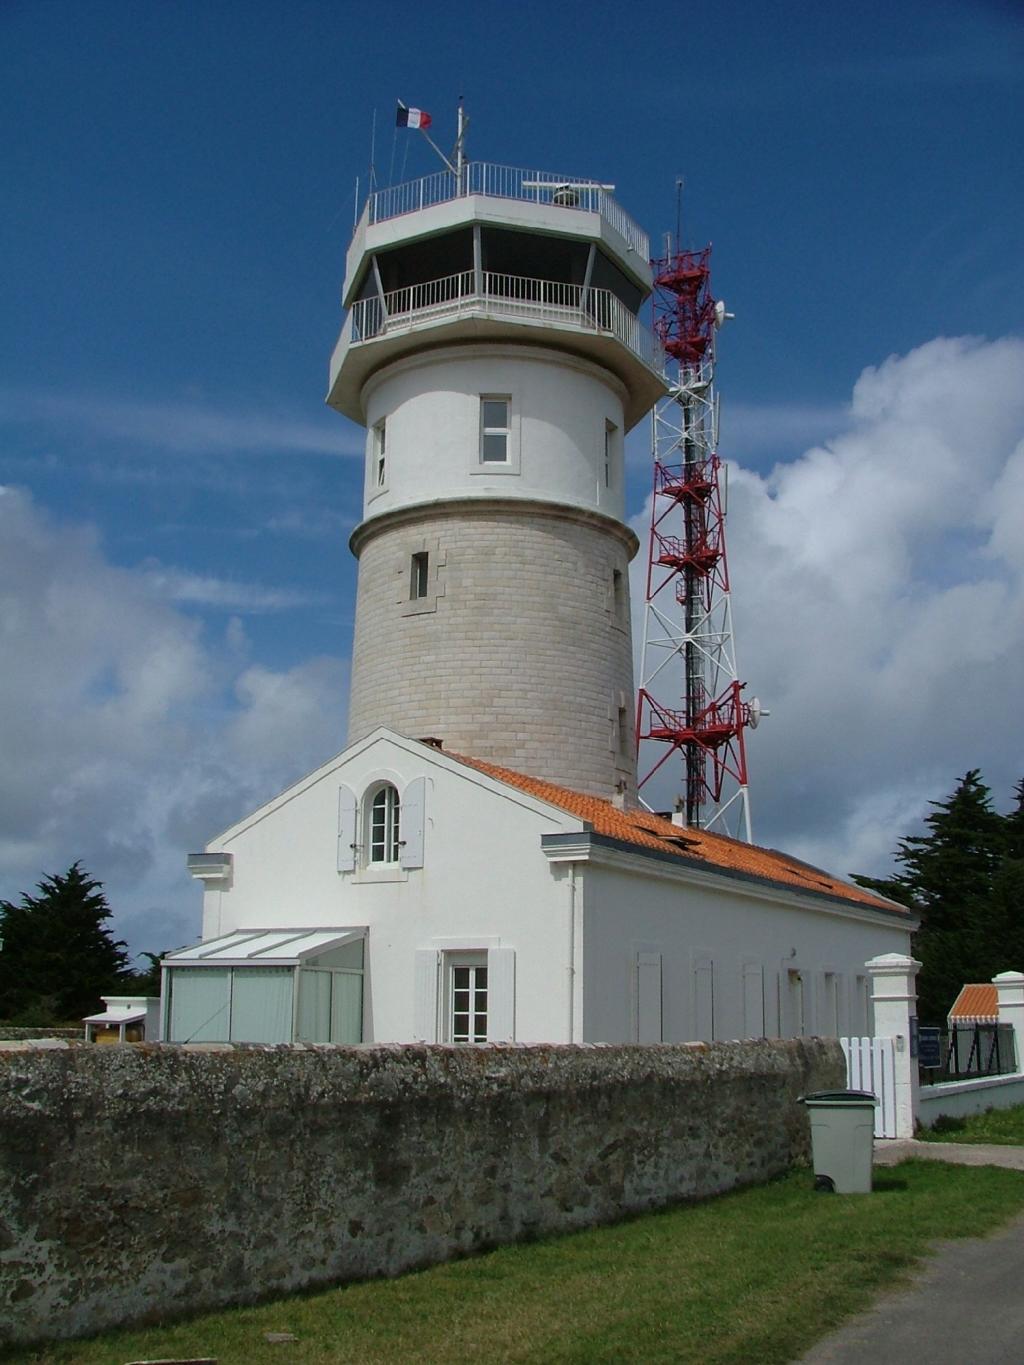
382,835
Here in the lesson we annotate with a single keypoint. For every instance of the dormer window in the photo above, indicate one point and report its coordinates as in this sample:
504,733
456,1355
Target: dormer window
382,836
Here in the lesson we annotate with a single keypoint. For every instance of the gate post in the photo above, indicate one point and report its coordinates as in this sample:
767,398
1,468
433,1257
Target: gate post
894,997
1010,990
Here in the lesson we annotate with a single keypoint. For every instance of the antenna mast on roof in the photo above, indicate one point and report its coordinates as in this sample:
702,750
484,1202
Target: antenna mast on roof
460,146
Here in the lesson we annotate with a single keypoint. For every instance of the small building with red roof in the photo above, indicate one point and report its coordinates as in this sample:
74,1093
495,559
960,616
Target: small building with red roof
977,1003
403,893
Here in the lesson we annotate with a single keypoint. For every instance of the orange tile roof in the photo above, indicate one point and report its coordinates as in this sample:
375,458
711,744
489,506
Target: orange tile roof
647,830
979,1001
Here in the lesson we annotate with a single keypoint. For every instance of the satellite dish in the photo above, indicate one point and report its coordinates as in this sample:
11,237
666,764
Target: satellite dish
719,313
755,711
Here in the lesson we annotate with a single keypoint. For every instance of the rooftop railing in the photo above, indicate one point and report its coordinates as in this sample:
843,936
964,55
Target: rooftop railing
595,310
507,182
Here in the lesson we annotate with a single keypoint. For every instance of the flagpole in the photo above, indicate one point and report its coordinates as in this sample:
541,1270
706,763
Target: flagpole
433,144
460,159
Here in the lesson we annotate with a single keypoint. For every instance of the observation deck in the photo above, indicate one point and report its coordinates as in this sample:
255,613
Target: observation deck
485,180
497,254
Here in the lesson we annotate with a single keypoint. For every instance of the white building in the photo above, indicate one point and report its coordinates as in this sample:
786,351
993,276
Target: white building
494,353
562,916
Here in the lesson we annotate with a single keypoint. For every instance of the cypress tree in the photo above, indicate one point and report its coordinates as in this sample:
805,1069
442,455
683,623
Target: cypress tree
959,880
58,957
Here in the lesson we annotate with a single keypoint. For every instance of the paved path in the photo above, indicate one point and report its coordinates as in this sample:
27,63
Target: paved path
966,1306
958,1153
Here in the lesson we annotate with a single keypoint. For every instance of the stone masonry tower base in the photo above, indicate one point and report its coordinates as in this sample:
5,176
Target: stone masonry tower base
518,652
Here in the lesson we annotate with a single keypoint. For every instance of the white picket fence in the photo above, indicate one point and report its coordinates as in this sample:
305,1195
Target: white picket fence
870,1065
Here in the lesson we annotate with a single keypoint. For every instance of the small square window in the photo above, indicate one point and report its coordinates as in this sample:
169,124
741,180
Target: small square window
494,430
419,575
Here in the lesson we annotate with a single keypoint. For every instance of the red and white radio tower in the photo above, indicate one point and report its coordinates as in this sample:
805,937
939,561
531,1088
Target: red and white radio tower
689,700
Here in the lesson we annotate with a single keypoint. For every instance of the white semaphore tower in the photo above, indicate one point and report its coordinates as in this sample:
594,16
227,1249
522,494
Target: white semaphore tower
493,352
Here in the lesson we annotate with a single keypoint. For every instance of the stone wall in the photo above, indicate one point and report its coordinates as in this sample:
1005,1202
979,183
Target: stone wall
141,1182
9,1033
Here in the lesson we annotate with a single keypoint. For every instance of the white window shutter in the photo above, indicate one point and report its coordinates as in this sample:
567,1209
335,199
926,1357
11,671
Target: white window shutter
424,1009
410,829
648,998
754,1023
501,995
346,829
704,998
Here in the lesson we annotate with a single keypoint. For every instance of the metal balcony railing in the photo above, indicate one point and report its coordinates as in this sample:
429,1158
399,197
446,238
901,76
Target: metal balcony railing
507,182
595,310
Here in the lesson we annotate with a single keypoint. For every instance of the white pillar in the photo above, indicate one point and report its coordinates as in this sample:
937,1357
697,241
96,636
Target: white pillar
894,997
1010,989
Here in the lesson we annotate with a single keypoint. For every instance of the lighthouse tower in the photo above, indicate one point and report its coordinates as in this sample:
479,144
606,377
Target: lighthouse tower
493,352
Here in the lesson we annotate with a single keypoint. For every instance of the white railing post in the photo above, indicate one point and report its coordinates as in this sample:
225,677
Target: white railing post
1010,991
894,1001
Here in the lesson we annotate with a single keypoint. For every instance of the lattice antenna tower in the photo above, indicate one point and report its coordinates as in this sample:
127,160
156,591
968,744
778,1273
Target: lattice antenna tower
689,701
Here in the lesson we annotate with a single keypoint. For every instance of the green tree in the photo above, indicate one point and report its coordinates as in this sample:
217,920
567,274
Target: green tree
57,956
146,980
964,879
1015,827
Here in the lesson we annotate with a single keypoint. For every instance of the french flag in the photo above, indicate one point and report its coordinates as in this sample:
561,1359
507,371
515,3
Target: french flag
411,118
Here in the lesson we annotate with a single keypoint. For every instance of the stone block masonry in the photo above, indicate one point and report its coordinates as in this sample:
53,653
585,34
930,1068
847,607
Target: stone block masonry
524,656
143,1182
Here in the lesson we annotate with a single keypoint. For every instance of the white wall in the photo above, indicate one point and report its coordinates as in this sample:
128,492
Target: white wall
484,883
730,944
590,940
957,1099
432,407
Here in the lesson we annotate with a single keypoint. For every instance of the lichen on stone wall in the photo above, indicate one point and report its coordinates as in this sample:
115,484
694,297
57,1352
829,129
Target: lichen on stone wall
144,1181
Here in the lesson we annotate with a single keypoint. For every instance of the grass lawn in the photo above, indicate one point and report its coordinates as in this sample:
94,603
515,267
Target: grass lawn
757,1275
1005,1126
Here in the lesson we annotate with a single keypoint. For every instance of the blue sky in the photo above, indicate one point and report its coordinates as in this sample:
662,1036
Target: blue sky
179,181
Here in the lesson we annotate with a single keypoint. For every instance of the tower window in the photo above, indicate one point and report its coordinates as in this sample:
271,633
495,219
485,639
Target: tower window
380,454
610,430
494,430
419,575
382,843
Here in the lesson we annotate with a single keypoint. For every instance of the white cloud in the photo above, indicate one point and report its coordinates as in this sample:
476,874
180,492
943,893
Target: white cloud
202,590
183,427
128,736
878,599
